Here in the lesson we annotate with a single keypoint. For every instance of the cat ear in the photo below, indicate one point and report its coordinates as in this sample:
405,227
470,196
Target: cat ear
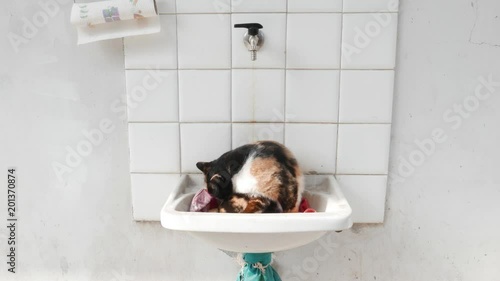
203,166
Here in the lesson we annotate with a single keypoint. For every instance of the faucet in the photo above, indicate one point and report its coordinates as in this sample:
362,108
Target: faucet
253,38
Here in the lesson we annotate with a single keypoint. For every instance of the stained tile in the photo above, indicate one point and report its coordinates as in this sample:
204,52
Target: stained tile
258,95
244,133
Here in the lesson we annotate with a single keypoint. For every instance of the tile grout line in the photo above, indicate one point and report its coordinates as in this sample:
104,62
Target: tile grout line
285,73
253,122
178,87
265,68
128,131
231,75
392,97
340,88
244,13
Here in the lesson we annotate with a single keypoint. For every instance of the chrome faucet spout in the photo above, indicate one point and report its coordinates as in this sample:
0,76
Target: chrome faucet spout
253,38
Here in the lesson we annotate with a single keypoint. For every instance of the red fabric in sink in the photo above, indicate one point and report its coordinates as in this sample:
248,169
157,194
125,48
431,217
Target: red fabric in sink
203,202
304,207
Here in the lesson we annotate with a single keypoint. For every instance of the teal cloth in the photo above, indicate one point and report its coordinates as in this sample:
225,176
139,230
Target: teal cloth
258,268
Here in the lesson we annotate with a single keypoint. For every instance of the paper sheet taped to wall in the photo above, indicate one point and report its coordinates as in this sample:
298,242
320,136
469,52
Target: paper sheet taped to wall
114,19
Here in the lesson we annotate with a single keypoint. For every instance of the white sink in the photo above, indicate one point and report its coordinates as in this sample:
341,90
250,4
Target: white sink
259,233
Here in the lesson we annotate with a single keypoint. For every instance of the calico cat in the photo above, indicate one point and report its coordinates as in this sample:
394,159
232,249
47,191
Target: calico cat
263,177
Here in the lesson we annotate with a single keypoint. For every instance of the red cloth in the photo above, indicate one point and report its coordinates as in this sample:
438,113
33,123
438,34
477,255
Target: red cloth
304,207
203,202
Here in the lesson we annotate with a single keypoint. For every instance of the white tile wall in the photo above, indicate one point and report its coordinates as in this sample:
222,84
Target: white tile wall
251,132
154,147
314,145
204,41
203,6
165,6
369,41
371,6
312,95
204,95
322,85
258,95
363,148
314,40
203,142
258,6
295,6
152,96
366,96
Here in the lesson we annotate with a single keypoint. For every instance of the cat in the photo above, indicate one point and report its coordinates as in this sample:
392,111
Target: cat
262,177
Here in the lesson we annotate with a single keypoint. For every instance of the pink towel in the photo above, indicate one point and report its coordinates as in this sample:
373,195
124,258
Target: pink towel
203,202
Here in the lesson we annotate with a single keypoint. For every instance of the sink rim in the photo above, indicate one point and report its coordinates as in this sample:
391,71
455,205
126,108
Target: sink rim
335,219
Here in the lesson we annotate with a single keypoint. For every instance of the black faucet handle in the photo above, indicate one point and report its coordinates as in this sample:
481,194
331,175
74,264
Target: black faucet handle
253,28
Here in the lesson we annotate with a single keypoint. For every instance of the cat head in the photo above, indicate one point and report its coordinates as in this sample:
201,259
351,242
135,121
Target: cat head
217,179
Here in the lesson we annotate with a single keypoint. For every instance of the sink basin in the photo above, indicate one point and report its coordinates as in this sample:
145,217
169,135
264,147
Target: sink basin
259,233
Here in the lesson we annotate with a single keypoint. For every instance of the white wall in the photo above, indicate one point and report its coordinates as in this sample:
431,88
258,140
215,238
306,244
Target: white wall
441,221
